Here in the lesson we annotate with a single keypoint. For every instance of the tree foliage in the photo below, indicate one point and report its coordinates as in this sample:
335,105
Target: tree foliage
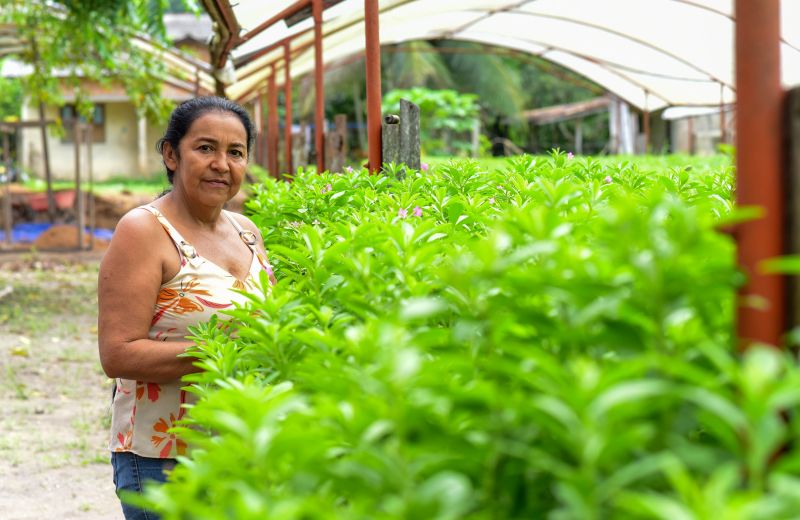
71,44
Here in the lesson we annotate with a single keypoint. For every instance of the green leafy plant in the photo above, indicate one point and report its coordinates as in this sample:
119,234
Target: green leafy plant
548,339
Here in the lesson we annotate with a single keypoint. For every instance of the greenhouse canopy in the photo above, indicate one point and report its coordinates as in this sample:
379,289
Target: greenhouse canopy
651,53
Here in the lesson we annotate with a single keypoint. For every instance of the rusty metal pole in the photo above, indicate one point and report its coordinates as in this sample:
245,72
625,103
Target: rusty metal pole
759,168
287,99
258,120
319,70
272,125
373,64
264,135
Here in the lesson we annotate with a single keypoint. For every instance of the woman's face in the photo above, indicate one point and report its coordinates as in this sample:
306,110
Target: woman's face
212,159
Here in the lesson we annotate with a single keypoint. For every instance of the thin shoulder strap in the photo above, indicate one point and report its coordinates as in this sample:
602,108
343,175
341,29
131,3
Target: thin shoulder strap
248,237
185,249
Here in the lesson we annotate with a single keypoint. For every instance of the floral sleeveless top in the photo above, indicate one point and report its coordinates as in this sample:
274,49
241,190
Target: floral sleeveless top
143,412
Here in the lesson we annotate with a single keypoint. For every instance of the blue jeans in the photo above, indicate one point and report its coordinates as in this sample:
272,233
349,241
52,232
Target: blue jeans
130,473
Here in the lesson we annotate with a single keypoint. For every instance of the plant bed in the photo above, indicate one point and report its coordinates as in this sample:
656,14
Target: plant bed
548,339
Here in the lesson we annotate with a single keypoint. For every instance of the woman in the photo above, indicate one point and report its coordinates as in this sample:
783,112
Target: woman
173,264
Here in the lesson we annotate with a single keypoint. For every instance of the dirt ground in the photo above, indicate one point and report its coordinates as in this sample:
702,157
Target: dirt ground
54,397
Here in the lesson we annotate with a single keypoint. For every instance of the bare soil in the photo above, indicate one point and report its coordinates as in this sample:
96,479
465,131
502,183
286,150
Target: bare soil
54,397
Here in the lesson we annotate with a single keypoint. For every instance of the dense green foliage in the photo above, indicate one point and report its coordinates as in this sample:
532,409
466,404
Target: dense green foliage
505,82
70,43
547,340
448,115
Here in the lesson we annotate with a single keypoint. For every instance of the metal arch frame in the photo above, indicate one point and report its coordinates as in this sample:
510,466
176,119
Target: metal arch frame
511,8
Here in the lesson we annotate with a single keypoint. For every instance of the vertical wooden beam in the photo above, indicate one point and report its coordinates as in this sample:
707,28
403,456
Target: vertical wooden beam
409,134
7,198
319,71
390,139
141,141
759,168
51,199
78,195
373,65
287,100
272,125
90,194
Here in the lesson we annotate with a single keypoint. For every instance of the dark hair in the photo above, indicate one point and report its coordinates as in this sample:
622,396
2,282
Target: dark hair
187,112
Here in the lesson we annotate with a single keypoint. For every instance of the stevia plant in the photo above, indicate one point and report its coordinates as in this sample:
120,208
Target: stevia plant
549,339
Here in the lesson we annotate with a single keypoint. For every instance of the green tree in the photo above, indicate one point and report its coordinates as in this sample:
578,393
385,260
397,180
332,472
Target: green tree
70,42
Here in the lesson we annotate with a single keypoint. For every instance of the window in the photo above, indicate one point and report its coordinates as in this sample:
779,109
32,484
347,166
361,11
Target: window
98,123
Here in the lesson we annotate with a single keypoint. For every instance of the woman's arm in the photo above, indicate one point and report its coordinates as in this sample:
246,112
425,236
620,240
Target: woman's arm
131,274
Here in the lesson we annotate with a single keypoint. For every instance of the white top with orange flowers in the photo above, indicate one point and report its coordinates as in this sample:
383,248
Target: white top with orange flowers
142,412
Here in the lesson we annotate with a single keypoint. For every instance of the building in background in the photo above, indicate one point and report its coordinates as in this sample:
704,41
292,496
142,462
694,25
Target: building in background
123,143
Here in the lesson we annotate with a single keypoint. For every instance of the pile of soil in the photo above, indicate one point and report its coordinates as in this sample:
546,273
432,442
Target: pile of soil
110,207
65,237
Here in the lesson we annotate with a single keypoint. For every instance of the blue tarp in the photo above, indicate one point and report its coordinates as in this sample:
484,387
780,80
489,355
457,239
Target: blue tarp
30,231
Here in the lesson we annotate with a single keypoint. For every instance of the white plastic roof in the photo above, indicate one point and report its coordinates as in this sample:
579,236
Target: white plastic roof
651,53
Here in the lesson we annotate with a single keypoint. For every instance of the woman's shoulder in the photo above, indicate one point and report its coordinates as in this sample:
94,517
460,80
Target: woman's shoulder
245,222
137,221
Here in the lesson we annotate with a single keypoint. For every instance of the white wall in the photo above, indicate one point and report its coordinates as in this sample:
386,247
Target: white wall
117,156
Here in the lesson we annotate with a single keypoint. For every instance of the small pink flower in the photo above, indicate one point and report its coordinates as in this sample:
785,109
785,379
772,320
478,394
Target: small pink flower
417,211
423,167
348,169
608,179
570,155
491,200
326,189
402,212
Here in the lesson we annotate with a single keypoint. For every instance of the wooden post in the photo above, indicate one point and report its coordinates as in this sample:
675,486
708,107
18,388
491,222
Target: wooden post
7,199
78,196
759,169
319,70
793,201
373,65
287,101
90,191
51,198
409,134
579,136
336,154
400,140
391,139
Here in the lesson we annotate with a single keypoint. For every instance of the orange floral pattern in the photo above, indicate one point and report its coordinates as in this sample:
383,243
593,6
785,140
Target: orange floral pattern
162,429
144,413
